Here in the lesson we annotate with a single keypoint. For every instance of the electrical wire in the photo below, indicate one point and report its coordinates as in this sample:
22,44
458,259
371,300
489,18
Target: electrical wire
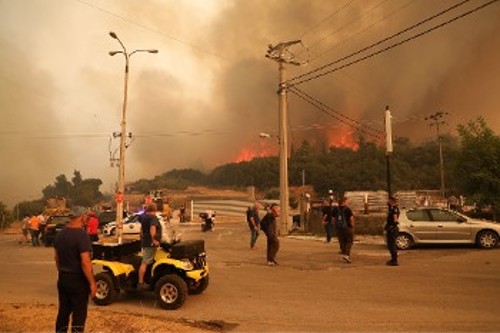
291,82
345,26
380,41
335,114
326,18
197,48
410,2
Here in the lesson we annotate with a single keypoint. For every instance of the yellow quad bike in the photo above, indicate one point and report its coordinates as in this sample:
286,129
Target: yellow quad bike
177,270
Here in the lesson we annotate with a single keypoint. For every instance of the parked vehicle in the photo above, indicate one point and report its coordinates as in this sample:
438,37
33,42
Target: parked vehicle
131,225
55,223
178,269
430,225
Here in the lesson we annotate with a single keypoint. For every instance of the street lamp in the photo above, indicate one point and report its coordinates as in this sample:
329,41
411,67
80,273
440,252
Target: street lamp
123,135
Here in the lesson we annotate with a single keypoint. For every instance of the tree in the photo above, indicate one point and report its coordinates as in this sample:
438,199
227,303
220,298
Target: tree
478,163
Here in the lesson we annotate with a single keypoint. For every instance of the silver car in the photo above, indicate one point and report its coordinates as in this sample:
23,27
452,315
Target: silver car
442,226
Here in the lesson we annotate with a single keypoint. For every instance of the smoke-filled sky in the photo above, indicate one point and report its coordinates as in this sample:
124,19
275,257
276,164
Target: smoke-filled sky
205,97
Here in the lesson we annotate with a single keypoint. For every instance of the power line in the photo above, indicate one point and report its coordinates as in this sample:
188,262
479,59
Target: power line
197,48
335,114
343,27
411,2
326,18
373,54
380,41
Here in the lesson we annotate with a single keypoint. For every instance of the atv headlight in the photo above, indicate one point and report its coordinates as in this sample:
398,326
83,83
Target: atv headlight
187,264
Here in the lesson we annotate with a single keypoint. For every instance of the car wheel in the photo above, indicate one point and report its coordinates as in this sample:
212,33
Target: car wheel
171,291
106,289
487,239
404,241
199,287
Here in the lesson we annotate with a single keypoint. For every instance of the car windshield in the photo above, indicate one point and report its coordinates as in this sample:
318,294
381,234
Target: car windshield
58,219
443,215
418,215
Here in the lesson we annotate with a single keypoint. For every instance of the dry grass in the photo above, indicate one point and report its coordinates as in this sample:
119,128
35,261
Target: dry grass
41,318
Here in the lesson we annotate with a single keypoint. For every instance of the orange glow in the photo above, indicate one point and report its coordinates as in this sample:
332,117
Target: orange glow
264,149
342,138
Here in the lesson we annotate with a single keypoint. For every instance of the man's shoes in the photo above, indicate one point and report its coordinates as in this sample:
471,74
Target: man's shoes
270,263
143,287
392,263
346,259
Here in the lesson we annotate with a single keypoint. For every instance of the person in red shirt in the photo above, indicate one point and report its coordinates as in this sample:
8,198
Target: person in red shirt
93,227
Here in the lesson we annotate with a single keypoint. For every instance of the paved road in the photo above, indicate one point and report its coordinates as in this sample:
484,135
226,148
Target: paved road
435,289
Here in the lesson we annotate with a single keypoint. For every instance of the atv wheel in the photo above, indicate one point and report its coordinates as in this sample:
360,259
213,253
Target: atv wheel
171,291
199,287
106,290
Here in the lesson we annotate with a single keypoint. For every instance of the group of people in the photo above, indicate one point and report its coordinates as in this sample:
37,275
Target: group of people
268,225
341,220
34,226
336,219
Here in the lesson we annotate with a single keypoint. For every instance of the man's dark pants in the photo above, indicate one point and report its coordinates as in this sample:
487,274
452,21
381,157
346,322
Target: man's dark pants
254,234
392,234
329,228
273,245
73,300
346,238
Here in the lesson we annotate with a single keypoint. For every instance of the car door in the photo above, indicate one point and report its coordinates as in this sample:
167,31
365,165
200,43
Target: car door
451,226
420,225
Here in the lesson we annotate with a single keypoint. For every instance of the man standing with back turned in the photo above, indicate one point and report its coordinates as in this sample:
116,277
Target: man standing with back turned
392,230
76,279
268,225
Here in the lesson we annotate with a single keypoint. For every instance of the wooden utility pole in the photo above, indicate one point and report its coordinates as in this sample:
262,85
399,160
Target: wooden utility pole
281,55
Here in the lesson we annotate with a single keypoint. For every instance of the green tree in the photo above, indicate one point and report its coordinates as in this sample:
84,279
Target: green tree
478,163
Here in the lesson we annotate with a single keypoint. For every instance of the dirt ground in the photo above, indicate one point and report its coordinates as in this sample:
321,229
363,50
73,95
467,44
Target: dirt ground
41,318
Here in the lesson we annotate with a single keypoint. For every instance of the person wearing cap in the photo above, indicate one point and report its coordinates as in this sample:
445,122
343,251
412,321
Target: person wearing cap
268,225
75,277
392,230
150,240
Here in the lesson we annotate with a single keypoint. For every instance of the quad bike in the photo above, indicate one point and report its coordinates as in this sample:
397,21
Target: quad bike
207,220
177,270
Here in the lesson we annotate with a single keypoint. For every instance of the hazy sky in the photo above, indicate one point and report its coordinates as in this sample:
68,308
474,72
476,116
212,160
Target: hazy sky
204,98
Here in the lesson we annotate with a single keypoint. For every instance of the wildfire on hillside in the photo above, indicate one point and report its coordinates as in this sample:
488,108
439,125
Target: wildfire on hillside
264,149
342,138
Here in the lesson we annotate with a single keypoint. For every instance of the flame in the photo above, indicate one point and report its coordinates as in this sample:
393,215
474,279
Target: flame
342,138
264,149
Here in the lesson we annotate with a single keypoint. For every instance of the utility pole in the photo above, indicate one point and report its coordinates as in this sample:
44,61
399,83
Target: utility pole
436,120
389,148
282,56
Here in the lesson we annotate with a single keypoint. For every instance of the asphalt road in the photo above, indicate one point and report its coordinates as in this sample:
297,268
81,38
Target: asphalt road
434,288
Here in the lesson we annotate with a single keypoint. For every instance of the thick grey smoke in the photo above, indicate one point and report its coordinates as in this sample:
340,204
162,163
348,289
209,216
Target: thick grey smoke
203,100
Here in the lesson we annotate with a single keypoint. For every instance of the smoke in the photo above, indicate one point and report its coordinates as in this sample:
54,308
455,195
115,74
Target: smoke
209,92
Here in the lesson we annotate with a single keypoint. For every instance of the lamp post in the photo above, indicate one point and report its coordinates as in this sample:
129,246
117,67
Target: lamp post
123,134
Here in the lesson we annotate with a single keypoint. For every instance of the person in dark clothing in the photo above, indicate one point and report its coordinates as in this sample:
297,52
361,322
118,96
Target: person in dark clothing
253,223
328,218
392,230
344,226
268,224
75,277
150,240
